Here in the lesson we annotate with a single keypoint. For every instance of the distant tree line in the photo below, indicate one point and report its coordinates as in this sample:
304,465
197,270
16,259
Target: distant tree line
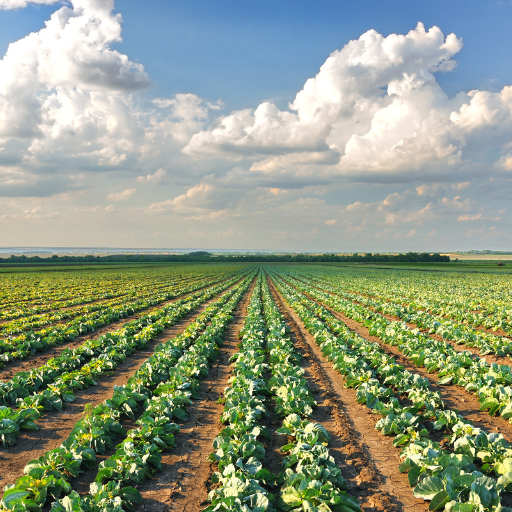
204,256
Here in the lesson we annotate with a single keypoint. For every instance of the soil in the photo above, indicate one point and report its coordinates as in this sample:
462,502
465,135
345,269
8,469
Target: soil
184,483
368,460
455,397
41,358
55,426
498,332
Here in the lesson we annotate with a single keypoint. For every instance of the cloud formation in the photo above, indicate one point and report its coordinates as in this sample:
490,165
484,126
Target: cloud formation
121,196
21,4
75,123
70,101
374,106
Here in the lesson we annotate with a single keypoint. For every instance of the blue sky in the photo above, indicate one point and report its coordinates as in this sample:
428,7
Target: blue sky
246,52
134,156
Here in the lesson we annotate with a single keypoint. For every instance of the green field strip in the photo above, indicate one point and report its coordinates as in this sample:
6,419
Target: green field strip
494,314
55,383
27,344
97,309
461,334
491,383
431,467
164,386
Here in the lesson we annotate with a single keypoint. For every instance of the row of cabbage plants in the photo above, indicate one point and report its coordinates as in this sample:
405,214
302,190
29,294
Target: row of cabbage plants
163,386
480,300
477,302
25,345
459,333
310,479
27,294
491,383
53,384
452,475
35,322
238,451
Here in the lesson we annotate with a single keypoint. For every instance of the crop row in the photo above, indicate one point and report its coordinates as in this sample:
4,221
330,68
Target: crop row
163,386
26,294
53,384
457,332
477,305
310,479
451,475
35,322
491,383
27,344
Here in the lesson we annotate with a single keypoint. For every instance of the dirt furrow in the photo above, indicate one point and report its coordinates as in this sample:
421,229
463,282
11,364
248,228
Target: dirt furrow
41,358
56,425
368,460
184,482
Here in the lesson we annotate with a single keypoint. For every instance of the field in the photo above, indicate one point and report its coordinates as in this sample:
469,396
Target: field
239,387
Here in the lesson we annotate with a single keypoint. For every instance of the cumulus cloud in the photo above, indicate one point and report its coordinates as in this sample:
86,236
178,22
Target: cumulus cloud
20,4
204,200
374,106
122,196
160,177
67,62
69,101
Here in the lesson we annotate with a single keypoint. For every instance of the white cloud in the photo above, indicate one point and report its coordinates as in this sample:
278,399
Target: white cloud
374,106
200,200
160,177
68,102
122,196
66,62
20,4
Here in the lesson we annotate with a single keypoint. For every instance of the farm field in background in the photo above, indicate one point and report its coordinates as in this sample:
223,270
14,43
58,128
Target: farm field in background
244,387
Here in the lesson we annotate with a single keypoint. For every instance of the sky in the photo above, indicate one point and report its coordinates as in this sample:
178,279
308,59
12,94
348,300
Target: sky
294,125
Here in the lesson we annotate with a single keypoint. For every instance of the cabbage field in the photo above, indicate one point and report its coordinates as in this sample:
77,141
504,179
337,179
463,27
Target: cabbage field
251,388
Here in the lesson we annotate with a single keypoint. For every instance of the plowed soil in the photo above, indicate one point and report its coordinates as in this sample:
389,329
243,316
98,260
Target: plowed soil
55,426
368,460
184,482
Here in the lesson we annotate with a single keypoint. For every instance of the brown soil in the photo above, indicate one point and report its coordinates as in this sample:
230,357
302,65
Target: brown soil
490,358
455,397
41,358
55,426
183,484
498,332
369,461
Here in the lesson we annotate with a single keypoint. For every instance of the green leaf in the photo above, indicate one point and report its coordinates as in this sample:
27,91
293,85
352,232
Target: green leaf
439,500
13,496
503,467
429,487
413,475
